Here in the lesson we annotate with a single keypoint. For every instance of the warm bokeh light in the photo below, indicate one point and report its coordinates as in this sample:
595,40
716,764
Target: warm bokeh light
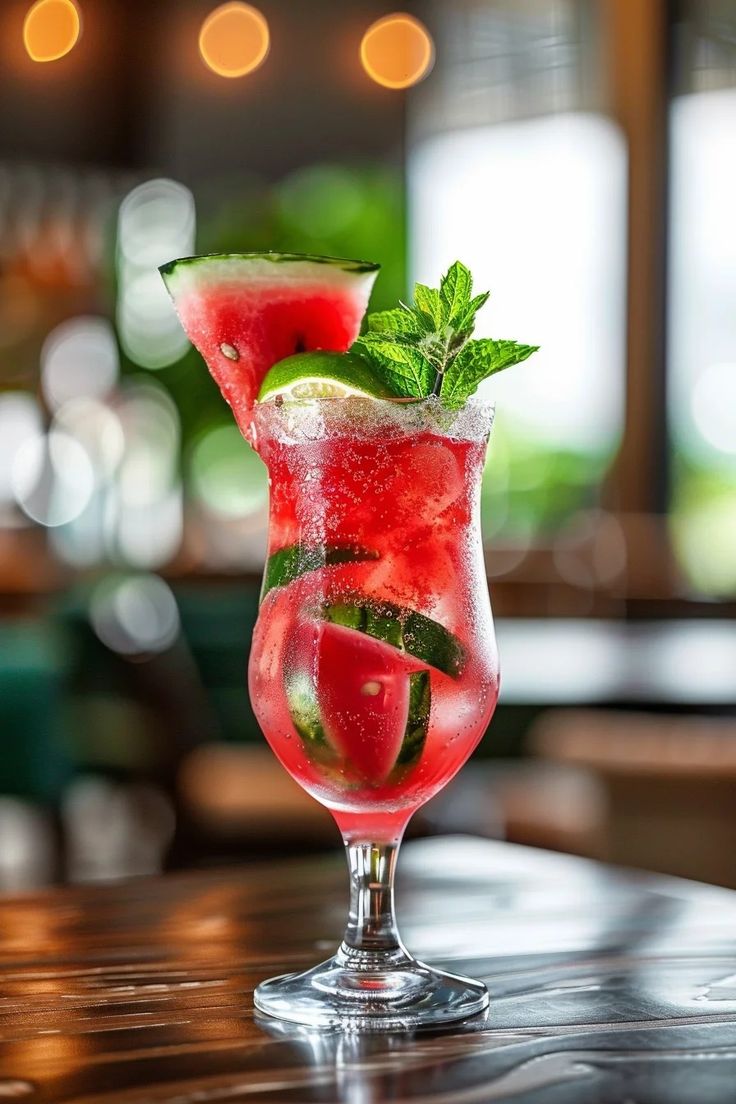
51,29
397,51
234,39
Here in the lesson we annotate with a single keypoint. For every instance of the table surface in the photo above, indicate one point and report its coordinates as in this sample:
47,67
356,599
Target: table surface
607,986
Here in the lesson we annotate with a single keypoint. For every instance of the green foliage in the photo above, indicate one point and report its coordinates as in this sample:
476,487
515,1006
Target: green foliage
703,523
530,487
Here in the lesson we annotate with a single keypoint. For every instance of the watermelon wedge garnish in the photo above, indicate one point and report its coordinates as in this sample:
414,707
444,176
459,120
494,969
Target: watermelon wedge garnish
246,311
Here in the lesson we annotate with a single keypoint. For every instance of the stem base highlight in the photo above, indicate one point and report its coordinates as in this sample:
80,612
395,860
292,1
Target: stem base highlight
400,993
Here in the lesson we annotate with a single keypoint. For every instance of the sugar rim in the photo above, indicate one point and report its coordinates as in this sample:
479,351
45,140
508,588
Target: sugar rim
297,421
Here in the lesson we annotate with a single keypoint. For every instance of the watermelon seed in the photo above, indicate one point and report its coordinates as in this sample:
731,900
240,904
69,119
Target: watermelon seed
371,689
229,351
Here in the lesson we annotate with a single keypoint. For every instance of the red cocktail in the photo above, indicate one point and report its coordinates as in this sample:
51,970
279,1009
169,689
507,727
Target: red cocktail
373,671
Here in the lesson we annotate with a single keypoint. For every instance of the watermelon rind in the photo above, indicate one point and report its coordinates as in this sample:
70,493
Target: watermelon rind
183,271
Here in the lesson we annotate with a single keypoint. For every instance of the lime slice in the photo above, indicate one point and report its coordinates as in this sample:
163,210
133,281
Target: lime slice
322,375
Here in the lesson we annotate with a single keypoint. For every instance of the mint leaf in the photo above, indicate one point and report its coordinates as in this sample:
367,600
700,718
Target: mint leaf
399,322
476,361
455,289
466,323
425,348
427,300
401,366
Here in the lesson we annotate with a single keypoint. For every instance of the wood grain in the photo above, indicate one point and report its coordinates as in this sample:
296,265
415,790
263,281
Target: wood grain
606,986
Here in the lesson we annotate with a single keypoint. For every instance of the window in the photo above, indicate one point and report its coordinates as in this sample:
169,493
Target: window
514,168
582,158
702,299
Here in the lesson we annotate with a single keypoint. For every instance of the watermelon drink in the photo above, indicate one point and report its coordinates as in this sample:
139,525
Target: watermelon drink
373,670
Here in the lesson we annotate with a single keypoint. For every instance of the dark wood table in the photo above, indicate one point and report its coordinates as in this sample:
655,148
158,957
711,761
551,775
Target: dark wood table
606,986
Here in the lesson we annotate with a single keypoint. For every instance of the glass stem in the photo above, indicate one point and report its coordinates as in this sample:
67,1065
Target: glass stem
371,938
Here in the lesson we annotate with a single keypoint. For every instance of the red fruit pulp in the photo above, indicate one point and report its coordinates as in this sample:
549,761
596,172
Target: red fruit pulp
355,473
264,327
362,687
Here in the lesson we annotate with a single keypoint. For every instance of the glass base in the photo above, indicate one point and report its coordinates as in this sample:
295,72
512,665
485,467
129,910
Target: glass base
395,993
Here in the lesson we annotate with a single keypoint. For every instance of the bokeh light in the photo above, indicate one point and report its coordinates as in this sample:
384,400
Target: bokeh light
51,29
234,40
81,543
98,430
79,359
226,475
397,51
52,478
156,216
135,614
149,534
96,426
156,222
151,427
145,523
20,421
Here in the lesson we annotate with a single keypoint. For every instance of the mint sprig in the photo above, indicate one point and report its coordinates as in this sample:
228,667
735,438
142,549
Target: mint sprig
427,348
476,361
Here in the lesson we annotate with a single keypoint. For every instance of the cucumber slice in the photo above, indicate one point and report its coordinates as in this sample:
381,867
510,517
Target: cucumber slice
286,565
305,714
412,632
420,703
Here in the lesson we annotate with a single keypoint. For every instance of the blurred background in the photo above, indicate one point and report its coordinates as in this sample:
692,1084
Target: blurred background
580,157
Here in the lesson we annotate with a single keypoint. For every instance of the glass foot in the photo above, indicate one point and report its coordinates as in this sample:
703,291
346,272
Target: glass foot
395,994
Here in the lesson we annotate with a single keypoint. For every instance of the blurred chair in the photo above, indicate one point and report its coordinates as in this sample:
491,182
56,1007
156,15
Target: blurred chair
242,793
28,846
552,805
669,783
115,830
34,758
34,661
